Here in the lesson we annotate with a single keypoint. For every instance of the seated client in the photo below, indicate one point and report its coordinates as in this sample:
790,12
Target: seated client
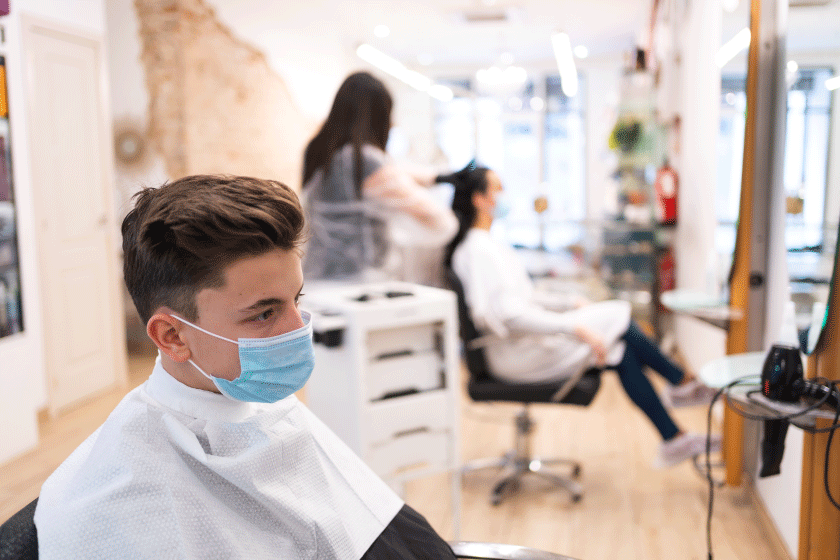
533,337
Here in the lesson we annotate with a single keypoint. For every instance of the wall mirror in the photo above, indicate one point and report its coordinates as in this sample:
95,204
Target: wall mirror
732,59
812,160
812,153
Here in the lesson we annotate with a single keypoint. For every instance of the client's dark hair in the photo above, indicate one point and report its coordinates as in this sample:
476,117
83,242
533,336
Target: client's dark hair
469,180
360,114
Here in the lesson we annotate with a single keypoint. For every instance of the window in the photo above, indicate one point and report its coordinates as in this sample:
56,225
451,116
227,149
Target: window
806,157
534,137
807,133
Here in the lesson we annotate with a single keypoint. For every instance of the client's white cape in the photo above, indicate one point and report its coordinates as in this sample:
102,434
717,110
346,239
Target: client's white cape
177,472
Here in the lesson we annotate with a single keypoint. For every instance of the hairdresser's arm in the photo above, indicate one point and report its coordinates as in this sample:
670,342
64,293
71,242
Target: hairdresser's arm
396,190
423,175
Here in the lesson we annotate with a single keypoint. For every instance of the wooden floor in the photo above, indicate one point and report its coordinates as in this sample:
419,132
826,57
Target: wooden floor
630,511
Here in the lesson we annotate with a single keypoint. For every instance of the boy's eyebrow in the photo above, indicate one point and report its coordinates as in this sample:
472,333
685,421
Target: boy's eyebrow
267,302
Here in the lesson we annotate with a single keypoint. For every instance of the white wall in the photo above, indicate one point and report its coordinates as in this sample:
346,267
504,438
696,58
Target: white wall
129,99
22,377
310,54
699,110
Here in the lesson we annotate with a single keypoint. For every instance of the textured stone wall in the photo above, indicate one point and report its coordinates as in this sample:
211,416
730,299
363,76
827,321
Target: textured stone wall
216,106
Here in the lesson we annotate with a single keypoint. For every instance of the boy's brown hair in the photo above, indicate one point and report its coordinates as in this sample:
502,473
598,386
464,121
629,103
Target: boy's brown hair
179,237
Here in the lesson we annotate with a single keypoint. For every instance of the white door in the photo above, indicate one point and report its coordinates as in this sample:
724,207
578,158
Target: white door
71,172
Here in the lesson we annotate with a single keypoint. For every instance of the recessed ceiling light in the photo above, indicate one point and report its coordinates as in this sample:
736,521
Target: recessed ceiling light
792,66
381,31
537,104
581,51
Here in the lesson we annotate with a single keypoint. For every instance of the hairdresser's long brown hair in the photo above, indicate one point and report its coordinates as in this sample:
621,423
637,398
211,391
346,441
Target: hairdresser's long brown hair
361,114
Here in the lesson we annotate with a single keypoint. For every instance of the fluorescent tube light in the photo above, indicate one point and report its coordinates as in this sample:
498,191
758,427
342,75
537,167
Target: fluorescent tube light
393,67
396,69
441,93
732,47
832,83
565,63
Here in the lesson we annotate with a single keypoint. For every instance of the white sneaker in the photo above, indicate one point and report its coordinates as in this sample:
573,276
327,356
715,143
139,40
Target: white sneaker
682,447
693,393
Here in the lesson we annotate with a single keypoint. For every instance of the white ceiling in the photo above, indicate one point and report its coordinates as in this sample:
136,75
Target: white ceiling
442,29
295,33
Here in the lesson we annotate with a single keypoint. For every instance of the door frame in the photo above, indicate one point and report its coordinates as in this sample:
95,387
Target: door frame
30,25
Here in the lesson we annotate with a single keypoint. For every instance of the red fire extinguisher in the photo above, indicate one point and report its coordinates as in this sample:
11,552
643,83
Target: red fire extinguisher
667,274
666,185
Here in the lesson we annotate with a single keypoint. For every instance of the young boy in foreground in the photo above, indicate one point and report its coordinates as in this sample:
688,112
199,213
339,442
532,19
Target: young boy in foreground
213,456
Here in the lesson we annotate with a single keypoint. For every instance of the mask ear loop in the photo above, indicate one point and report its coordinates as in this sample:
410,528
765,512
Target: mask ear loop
204,331
190,360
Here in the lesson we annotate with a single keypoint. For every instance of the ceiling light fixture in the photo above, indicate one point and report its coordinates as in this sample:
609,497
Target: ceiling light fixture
565,63
581,51
832,83
732,47
396,69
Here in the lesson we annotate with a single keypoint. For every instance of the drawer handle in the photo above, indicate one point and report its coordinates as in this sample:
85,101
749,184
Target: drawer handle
397,354
411,432
400,393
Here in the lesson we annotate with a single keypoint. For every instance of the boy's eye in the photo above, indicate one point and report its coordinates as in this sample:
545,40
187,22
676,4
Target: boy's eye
264,316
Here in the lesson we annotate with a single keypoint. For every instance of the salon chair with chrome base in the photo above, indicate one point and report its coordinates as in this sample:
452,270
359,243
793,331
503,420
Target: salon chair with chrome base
578,390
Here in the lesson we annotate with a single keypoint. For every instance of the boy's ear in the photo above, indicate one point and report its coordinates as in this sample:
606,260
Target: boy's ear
165,332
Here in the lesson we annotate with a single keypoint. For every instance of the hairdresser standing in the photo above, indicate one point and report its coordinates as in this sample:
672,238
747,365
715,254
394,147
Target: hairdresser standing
360,204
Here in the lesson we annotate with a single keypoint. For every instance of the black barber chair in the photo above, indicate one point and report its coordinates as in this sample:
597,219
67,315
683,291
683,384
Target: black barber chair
18,538
578,390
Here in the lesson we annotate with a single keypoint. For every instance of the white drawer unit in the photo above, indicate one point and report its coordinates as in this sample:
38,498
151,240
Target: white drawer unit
386,376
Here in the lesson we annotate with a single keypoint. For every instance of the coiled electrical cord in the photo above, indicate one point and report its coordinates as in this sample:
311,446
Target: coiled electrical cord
824,390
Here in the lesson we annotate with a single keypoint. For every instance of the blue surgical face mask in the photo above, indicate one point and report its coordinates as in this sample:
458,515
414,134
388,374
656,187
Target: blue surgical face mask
502,208
271,368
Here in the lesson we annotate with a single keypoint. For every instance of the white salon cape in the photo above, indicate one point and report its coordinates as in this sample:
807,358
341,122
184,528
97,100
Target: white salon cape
529,334
177,472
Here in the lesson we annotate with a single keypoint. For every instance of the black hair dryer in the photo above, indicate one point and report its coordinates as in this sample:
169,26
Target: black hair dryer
781,379
782,373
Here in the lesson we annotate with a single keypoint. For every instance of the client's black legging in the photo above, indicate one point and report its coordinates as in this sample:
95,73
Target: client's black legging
640,352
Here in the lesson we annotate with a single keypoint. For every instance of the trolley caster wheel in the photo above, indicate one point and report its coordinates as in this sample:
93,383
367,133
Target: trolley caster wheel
576,471
576,498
